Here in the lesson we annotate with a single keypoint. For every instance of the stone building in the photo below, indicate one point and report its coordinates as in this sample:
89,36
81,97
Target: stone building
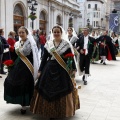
94,14
14,13
115,4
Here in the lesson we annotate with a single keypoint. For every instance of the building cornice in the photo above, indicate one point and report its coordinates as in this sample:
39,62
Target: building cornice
97,1
68,4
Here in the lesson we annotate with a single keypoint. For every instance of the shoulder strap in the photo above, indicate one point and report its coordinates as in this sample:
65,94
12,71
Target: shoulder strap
51,48
24,59
60,60
27,62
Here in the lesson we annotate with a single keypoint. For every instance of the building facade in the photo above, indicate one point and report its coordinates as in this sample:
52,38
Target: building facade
83,12
14,13
115,4
94,14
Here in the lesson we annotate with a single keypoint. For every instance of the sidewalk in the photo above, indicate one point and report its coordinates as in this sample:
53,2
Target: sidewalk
100,99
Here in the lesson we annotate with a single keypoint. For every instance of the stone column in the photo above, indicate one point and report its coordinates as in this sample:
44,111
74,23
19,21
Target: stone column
66,20
2,14
9,9
52,16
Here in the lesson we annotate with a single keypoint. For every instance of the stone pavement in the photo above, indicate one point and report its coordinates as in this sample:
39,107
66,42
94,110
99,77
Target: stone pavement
100,99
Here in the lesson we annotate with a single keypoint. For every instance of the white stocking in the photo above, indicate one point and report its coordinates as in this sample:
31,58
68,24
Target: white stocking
104,58
86,77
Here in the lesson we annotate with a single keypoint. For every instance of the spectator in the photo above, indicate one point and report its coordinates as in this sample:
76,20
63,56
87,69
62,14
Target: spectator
42,42
6,53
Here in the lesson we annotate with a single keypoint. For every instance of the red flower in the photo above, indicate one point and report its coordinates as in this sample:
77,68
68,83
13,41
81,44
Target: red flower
69,55
8,63
116,45
12,48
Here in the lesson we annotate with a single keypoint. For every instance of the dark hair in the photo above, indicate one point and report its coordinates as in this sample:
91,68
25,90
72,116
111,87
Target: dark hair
11,33
23,27
114,34
70,28
1,31
41,32
57,26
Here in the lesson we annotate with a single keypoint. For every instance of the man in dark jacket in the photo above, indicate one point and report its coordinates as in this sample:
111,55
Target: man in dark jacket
3,56
106,48
85,45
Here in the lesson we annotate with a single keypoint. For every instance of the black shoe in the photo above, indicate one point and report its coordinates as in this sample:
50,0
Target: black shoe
83,78
104,63
85,82
23,111
101,61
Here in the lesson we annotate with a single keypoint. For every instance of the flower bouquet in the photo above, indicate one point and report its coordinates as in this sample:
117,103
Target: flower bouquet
8,64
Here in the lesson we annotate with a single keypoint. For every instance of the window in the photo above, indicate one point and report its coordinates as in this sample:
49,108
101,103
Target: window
95,6
94,23
18,17
97,23
94,14
42,21
58,21
89,6
18,10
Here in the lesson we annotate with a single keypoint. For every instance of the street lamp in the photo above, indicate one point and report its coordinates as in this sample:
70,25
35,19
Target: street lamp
32,4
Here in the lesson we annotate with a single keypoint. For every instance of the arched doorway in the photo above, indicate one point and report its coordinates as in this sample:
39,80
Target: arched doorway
58,21
42,21
18,17
70,22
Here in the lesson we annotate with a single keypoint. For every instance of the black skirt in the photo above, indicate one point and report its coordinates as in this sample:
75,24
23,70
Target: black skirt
19,84
54,82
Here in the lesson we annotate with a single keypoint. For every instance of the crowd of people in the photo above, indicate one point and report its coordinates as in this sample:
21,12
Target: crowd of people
47,83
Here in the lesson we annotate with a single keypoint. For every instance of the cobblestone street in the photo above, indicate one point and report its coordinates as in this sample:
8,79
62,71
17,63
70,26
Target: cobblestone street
100,99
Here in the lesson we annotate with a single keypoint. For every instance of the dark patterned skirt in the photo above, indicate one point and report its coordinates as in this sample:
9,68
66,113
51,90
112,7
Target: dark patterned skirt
61,108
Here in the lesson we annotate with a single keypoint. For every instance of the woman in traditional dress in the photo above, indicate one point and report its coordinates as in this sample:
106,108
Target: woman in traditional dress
19,84
95,54
72,36
115,42
54,92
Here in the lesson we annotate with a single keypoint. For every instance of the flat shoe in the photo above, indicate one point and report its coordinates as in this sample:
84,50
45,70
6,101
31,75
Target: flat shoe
23,111
85,82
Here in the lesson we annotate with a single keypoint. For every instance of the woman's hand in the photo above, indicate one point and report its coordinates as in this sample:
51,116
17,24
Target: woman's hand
38,75
81,51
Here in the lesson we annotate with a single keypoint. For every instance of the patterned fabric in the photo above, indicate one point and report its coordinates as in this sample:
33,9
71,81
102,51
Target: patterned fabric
64,45
25,48
73,39
64,107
